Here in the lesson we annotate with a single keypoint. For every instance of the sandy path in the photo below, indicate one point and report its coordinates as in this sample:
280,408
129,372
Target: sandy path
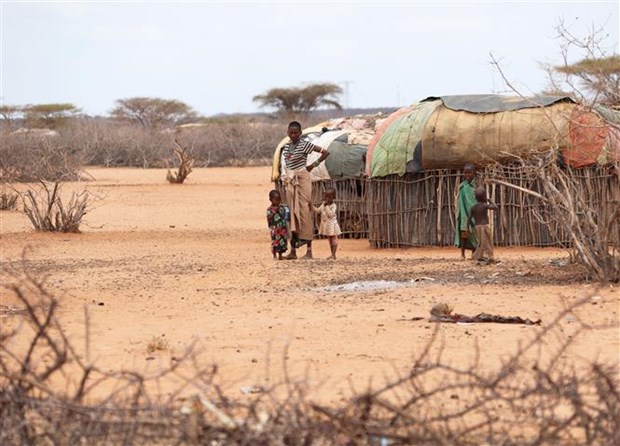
191,262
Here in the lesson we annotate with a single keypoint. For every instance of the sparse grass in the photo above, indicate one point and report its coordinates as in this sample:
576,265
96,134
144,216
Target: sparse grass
157,344
8,201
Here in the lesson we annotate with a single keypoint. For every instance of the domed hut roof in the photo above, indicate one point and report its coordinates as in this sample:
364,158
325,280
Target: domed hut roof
448,131
346,139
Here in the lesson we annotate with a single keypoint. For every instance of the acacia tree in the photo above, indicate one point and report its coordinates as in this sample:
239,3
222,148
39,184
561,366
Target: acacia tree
595,77
10,113
300,100
594,237
153,112
49,115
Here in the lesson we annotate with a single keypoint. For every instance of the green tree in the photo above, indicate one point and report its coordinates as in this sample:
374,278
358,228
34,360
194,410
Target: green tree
300,100
153,112
595,77
49,115
599,76
10,113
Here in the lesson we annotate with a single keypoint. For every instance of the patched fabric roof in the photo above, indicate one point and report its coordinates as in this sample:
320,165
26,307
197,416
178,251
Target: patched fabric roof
492,103
346,139
442,132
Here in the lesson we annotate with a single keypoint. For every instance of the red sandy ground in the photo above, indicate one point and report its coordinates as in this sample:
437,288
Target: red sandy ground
191,263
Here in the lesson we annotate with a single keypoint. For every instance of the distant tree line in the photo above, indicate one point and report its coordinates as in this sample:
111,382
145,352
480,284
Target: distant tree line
161,113
140,131
54,141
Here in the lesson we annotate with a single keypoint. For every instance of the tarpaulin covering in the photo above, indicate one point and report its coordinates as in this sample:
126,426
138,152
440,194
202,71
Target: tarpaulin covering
380,131
395,147
452,138
492,103
345,160
447,132
346,139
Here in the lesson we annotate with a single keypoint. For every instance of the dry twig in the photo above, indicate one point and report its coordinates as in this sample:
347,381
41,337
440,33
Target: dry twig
186,163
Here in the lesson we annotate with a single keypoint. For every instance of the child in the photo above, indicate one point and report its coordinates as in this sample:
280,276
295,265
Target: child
329,222
277,219
480,214
464,238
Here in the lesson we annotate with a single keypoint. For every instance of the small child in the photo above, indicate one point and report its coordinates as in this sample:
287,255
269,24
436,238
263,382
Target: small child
484,234
465,199
277,220
329,221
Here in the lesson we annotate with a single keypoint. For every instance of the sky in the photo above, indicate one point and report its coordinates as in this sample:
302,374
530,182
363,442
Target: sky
216,56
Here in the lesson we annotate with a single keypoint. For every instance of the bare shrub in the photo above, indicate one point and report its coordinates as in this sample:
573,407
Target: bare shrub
186,163
8,200
591,221
595,76
215,143
594,238
157,344
27,156
34,411
110,143
527,401
535,397
85,141
47,212
233,143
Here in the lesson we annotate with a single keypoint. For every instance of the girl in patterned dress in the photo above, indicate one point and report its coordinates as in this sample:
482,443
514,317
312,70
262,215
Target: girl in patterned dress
329,220
277,220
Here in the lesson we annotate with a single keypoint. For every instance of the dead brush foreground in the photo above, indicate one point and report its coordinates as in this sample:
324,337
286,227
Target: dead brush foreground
160,267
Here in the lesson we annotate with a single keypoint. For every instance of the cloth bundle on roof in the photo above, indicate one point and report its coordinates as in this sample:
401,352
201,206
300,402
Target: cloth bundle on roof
345,159
346,139
448,131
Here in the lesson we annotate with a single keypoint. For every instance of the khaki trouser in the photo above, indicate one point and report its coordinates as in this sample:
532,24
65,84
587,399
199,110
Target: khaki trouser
484,234
299,196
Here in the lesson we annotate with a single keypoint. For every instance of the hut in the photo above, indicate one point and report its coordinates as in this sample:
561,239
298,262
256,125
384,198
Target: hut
346,139
414,162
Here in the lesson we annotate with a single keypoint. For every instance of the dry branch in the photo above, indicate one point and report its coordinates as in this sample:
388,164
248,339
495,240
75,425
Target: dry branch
527,400
8,200
186,163
47,212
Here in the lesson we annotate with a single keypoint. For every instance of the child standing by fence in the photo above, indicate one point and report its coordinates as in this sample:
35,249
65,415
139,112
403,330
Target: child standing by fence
329,226
484,233
465,238
277,220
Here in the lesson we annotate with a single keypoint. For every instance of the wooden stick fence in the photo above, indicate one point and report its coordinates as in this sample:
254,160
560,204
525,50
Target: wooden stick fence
418,209
350,200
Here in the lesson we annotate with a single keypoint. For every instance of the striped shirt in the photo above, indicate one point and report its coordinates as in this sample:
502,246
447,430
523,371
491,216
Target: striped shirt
296,155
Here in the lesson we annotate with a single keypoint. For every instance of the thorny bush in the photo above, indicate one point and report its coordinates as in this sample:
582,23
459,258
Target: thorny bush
535,397
47,212
582,204
60,155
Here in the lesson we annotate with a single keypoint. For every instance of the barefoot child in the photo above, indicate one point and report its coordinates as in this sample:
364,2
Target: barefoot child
484,234
465,239
277,216
329,222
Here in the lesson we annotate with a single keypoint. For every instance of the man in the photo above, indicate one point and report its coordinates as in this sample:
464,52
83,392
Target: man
299,187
